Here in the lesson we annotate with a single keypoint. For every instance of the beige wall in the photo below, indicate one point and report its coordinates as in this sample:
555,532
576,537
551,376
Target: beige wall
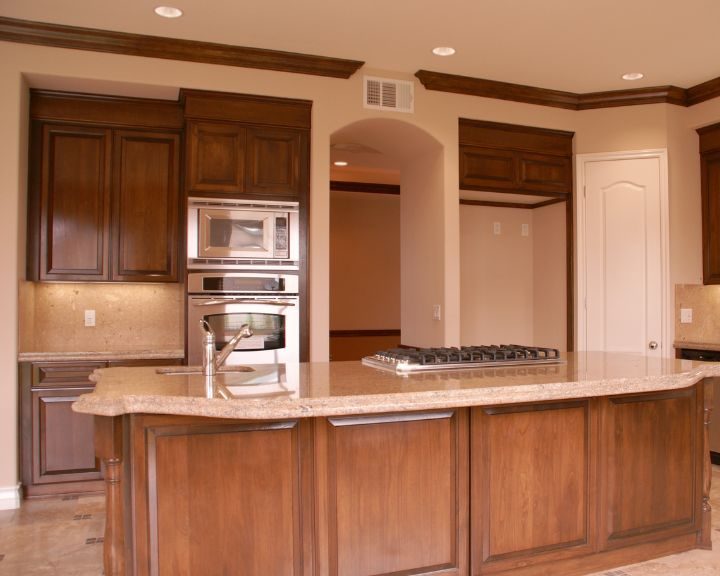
364,261
512,287
434,278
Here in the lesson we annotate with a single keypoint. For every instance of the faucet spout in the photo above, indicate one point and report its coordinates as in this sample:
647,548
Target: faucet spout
244,332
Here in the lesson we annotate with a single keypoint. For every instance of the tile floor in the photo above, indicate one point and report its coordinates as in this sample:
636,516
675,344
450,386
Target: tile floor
63,537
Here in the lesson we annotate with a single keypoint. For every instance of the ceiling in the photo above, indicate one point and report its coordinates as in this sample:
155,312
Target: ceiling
571,45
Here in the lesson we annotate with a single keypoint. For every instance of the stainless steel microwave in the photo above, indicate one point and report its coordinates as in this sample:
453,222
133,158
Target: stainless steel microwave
230,232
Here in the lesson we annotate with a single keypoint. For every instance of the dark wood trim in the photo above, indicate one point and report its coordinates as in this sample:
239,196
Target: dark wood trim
635,97
79,38
369,187
515,137
715,457
467,202
363,333
702,92
498,90
569,100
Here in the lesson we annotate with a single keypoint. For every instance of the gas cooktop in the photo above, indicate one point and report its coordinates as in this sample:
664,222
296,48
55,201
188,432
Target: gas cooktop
402,360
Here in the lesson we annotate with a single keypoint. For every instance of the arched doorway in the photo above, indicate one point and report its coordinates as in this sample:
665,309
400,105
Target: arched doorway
386,237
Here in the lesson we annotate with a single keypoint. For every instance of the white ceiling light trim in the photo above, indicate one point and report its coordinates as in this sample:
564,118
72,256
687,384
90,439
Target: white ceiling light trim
443,51
168,11
633,76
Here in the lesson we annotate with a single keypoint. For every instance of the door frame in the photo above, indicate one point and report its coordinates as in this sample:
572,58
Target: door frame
581,161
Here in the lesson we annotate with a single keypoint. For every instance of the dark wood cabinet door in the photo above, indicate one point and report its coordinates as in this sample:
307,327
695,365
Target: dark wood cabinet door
215,157
275,164
146,202
221,497
63,448
544,173
531,491
394,489
651,461
487,169
74,204
710,186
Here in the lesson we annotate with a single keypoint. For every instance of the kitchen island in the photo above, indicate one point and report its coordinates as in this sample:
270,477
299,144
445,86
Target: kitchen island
344,469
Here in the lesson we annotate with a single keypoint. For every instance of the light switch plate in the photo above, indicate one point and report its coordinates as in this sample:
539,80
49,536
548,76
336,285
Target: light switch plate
89,318
686,315
436,311
524,230
497,228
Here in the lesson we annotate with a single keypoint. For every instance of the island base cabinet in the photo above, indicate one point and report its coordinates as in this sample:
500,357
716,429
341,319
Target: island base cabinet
392,494
532,485
219,497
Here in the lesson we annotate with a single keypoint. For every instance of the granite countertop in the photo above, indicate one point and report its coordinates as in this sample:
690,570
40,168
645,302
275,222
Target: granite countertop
344,388
100,356
696,345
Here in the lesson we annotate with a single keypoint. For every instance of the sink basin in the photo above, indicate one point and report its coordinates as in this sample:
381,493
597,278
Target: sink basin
185,370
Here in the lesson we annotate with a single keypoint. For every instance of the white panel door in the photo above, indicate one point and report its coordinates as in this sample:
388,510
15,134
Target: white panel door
623,255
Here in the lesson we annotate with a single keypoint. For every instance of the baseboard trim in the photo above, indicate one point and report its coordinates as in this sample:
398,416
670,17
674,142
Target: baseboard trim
715,457
9,497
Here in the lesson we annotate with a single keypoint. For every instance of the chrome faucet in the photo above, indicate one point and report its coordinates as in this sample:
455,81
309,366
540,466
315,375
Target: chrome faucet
212,361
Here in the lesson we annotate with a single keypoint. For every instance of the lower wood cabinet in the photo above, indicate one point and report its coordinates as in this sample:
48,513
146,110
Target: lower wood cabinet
569,487
57,444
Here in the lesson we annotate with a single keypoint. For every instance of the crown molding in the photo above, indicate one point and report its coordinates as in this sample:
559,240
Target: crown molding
78,38
568,100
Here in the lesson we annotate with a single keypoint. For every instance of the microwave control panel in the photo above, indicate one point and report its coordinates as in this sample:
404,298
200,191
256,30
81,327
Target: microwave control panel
281,237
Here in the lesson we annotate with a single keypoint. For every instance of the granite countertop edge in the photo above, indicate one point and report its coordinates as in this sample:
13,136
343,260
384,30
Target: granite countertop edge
715,346
139,354
255,409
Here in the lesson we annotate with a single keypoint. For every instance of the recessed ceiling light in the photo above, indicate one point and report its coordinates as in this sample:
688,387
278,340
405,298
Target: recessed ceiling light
340,163
443,51
168,12
633,76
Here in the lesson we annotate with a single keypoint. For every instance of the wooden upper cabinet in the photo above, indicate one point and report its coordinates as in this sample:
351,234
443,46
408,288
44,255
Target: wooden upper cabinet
242,144
518,159
710,192
103,200
71,196
145,206
274,161
215,157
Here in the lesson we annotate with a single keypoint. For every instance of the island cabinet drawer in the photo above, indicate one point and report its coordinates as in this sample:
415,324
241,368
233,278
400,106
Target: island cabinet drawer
393,494
532,486
63,374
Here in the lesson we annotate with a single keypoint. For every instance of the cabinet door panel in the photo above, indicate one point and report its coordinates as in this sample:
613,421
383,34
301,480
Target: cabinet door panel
710,177
396,495
487,169
146,205
651,478
62,439
215,157
273,165
543,173
530,489
75,203
247,517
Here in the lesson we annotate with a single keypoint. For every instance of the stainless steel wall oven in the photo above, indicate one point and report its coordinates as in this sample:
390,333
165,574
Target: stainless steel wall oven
265,300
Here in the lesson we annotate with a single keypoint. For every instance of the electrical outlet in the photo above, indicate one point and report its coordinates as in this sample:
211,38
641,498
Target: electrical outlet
436,311
497,228
89,318
686,315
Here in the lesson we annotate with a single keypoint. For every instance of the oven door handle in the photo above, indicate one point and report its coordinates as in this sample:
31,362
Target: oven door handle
244,301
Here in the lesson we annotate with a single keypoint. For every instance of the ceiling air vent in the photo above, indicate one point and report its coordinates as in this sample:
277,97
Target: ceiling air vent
387,94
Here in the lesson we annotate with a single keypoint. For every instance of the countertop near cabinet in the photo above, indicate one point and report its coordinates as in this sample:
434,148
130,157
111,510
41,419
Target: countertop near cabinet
696,345
100,356
344,388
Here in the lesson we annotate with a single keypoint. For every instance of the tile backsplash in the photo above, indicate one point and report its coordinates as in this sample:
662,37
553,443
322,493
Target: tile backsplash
127,317
705,304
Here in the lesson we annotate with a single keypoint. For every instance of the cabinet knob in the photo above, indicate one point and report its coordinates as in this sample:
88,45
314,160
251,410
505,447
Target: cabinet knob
653,345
